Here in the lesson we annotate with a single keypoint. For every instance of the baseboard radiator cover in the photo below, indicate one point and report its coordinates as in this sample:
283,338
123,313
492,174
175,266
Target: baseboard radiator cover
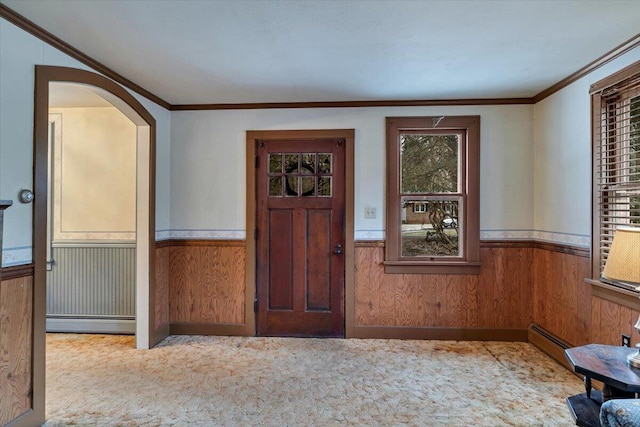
91,325
92,285
92,281
550,344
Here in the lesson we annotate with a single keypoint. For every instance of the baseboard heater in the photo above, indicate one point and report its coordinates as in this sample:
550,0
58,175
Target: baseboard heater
549,344
125,325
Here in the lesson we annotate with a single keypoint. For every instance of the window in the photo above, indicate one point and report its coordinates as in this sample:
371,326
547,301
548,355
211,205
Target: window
300,174
433,174
616,157
420,207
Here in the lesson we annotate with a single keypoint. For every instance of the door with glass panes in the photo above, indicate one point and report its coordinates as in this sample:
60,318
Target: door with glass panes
300,237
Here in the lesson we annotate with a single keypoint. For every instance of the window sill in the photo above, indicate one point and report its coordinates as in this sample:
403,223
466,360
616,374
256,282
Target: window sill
414,267
615,294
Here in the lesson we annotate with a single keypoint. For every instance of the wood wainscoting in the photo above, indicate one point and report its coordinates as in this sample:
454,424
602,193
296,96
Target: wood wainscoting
206,284
561,298
520,282
564,304
494,305
201,290
207,294
16,297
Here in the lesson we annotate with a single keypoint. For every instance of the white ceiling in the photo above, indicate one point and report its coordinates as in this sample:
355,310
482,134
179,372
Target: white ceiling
193,52
70,95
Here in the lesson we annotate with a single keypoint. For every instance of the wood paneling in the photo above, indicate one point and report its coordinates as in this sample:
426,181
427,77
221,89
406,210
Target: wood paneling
280,244
17,271
564,305
318,262
439,333
610,320
517,285
487,300
369,277
614,294
207,284
15,347
162,286
504,292
560,295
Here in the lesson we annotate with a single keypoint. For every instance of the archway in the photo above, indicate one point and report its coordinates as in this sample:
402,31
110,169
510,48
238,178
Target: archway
145,195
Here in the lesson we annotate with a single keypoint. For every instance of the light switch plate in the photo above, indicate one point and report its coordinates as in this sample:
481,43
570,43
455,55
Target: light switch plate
369,213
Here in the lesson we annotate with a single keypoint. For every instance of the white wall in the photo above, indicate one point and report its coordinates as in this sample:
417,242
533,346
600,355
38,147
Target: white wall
19,53
535,166
562,158
163,165
94,175
208,165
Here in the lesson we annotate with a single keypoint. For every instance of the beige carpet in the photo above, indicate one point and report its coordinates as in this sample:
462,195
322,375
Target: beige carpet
98,380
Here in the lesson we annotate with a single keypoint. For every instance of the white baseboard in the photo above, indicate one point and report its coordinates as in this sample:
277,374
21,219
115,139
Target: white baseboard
92,325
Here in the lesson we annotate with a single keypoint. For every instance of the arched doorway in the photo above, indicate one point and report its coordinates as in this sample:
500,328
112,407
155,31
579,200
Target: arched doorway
91,272
145,207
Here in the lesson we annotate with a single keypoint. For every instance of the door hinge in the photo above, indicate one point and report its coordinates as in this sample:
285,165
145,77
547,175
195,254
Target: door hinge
255,305
257,161
255,234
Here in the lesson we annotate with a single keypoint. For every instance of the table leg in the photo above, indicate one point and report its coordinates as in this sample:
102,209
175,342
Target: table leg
587,386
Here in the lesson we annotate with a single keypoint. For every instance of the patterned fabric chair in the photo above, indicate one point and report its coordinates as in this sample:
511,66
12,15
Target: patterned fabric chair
620,413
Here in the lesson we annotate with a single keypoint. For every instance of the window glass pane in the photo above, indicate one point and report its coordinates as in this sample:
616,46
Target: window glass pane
275,163
275,186
291,163
430,227
324,163
308,163
617,167
291,185
324,186
634,210
308,185
429,163
620,209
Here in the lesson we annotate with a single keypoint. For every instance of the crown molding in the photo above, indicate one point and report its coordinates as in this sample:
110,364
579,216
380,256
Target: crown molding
614,53
39,32
353,104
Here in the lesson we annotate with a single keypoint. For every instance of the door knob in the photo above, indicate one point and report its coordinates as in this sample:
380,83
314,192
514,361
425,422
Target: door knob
338,250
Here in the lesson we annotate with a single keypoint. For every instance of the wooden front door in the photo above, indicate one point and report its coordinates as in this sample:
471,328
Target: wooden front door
300,237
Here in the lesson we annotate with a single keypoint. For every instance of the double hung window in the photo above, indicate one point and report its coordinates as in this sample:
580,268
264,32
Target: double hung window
433,195
616,157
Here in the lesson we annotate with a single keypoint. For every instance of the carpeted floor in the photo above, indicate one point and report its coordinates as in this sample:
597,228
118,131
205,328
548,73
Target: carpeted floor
101,380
